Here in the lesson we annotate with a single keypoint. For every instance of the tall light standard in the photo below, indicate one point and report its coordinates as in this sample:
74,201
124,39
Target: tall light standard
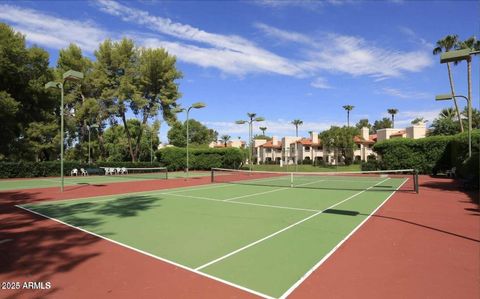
447,97
459,55
197,105
90,127
67,76
252,117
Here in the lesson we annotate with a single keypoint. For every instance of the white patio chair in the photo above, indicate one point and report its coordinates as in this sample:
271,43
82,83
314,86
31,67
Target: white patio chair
74,172
118,170
84,172
124,170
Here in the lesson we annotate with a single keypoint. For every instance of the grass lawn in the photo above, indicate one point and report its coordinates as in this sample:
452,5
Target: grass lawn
306,168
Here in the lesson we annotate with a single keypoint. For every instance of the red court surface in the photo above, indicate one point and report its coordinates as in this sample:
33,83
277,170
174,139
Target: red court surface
415,246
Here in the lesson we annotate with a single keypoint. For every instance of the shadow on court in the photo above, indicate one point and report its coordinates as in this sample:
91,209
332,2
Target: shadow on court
34,248
356,213
448,184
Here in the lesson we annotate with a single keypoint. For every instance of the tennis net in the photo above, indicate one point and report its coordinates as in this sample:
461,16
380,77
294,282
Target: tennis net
402,179
137,172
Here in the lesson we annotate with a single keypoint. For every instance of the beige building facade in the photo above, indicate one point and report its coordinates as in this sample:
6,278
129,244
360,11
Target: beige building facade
299,150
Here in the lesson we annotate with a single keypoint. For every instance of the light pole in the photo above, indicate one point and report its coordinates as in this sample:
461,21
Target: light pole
67,76
90,127
447,97
151,146
252,117
197,105
459,55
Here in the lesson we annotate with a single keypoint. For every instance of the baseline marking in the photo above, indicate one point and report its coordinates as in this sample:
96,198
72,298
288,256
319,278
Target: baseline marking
151,255
315,267
284,229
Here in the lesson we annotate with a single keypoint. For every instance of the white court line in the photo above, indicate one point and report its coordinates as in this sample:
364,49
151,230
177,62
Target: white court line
284,229
315,267
271,191
151,255
244,203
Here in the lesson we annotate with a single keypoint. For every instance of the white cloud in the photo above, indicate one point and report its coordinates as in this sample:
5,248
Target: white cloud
230,53
405,94
414,38
50,31
320,83
351,55
226,60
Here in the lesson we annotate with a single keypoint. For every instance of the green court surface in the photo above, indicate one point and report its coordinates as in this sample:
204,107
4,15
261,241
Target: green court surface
262,237
16,184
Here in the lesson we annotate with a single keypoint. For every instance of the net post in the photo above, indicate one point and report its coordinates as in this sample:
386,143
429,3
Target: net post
291,179
415,181
166,173
212,176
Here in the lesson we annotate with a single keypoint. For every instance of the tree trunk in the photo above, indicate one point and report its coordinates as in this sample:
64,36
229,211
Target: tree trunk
146,112
129,137
452,88
139,137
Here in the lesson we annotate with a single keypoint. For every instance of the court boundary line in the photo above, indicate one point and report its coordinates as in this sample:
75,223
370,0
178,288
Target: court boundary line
334,249
195,270
284,229
151,255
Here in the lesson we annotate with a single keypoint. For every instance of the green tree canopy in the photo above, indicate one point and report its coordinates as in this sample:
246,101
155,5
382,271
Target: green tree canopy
23,99
364,123
384,123
199,134
341,140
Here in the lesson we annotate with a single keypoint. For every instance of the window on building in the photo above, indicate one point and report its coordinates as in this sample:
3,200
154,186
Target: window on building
268,151
307,148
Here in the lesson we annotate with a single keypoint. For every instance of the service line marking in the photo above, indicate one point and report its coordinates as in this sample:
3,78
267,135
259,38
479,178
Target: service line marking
284,229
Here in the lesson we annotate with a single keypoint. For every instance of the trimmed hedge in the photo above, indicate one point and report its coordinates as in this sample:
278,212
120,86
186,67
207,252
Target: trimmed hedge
174,158
52,168
428,155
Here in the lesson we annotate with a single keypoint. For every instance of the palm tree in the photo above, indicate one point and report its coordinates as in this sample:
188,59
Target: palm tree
447,113
225,139
446,44
348,108
263,129
392,112
296,123
418,121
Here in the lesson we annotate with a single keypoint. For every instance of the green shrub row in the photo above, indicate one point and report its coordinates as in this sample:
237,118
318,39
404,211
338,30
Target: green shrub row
52,168
174,158
428,155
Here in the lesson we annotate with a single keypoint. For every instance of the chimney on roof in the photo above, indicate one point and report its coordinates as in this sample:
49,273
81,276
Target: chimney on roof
314,137
274,140
365,133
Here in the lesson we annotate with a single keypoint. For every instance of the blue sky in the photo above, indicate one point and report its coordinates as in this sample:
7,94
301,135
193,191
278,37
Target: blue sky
280,59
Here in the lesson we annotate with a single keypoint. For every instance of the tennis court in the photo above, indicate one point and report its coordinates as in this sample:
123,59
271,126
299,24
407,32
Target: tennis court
17,184
262,232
